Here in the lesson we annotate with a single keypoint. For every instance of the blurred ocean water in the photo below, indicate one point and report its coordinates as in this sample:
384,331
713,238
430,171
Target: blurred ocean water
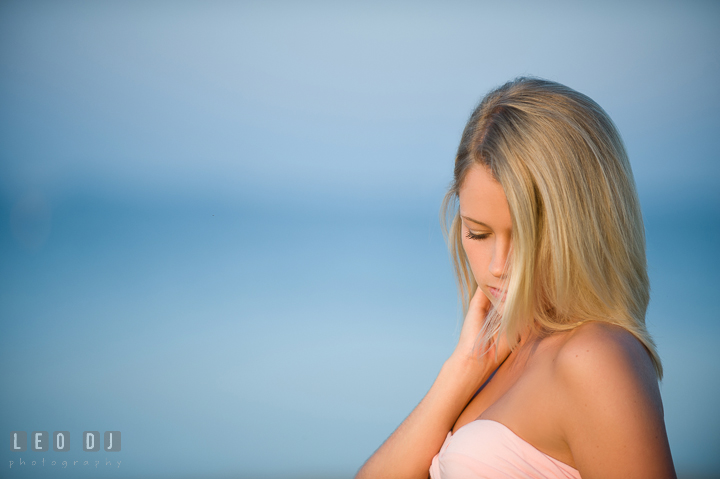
222,340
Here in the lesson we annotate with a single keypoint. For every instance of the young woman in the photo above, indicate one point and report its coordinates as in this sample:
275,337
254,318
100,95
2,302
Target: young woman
554,374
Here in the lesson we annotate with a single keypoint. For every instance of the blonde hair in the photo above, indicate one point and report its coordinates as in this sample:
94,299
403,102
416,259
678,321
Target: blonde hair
578,241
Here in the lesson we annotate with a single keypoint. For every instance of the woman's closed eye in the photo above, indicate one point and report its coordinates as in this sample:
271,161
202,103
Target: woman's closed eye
477,236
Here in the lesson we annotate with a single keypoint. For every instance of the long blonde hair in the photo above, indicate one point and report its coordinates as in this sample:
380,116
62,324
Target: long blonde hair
578,241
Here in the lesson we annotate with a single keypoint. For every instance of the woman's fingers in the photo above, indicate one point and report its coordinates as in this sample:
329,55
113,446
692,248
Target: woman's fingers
478,308
498,349
473,324
482,301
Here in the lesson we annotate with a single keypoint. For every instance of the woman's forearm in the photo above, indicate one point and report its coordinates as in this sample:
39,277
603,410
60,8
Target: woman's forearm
408,452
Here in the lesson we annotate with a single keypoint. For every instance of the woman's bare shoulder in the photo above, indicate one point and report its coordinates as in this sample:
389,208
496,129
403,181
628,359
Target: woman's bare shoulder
609,405
596,351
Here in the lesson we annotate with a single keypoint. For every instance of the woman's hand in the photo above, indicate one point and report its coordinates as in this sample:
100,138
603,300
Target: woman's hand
408,452
468,348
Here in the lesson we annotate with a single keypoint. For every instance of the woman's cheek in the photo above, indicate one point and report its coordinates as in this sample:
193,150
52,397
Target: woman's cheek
472,256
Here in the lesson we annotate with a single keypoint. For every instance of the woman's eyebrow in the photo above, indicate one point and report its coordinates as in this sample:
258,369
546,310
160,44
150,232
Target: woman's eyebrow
475,221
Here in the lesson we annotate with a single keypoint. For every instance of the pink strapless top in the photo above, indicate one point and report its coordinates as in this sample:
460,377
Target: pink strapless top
488,449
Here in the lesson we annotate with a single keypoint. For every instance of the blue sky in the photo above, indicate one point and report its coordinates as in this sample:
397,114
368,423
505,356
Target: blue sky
219,221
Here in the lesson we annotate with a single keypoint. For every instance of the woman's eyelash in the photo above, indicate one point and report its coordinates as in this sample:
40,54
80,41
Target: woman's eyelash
476,237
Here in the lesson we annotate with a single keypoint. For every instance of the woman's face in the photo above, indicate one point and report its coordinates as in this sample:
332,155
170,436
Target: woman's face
486,231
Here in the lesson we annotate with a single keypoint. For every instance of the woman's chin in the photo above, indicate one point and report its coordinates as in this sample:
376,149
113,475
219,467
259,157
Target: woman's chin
497,304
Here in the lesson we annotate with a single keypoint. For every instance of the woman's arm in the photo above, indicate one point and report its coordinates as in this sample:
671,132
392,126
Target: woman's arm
408,452
611,412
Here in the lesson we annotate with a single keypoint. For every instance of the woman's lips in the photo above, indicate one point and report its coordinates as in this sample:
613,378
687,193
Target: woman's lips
497,293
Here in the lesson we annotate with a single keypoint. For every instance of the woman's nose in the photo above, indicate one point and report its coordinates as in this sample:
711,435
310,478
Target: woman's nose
498,264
